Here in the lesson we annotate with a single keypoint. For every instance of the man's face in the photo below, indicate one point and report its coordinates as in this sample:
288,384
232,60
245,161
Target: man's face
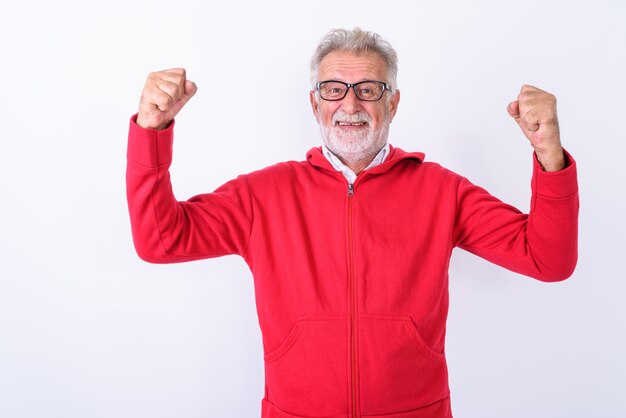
353,129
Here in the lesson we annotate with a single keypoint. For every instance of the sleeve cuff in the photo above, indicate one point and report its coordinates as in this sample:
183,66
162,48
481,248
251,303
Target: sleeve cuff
150,147
556,184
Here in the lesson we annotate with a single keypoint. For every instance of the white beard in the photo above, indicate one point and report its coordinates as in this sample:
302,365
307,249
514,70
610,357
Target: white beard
357,145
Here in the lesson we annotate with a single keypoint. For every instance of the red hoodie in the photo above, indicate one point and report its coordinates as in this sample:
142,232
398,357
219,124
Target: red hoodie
351,283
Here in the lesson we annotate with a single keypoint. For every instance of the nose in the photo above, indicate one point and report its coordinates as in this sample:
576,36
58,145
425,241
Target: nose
351,104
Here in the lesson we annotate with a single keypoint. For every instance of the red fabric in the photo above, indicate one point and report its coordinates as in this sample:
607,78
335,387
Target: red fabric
352,291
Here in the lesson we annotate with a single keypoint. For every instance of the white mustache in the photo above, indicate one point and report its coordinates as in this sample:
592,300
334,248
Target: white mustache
342,116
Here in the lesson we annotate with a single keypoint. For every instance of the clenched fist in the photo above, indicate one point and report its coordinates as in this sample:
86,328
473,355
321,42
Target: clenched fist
535,112
165,93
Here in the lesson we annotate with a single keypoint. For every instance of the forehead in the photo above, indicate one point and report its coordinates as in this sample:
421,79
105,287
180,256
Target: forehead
350,67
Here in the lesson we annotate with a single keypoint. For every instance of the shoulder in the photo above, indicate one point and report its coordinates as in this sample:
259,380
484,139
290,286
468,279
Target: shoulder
436,169
279,172
416,164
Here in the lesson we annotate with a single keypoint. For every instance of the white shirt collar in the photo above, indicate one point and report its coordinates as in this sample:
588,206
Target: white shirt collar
345,170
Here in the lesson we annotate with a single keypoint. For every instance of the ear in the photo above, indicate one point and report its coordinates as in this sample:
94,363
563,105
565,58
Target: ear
315,105
393,104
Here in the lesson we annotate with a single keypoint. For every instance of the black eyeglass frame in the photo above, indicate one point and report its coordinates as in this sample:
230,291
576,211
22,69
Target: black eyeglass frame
353,86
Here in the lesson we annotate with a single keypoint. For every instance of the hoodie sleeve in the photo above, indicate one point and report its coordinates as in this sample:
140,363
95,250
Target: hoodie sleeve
168,231
542,244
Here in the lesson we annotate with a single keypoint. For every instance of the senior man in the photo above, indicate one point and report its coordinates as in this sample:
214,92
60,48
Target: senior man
350,248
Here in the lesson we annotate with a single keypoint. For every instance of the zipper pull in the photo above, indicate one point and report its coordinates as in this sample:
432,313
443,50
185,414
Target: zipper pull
350,189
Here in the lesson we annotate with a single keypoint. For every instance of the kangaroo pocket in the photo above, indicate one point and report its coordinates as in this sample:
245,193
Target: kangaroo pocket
398,370
307,374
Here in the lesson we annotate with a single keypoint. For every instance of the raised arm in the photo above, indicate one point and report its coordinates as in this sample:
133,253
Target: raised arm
164,229
542,244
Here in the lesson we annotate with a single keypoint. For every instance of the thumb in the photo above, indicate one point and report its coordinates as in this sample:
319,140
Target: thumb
190,89
513,110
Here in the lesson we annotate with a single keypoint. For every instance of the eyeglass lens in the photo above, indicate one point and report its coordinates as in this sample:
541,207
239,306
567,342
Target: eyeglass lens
367,90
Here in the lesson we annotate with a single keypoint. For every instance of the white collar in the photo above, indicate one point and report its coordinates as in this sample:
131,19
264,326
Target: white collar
345,170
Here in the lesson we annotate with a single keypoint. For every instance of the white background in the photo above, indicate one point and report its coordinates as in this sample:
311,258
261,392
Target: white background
89,330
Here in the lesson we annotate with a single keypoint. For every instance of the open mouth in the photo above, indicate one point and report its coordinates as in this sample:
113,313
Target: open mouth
351,124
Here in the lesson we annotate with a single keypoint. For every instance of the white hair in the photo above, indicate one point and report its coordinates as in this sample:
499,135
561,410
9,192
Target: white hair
356,41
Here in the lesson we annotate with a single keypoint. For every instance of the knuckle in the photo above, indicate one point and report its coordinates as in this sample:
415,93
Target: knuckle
163,100
178,71
530,115
148,92
152,81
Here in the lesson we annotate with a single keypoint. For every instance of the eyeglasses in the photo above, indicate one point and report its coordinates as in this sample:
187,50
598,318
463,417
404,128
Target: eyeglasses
368,91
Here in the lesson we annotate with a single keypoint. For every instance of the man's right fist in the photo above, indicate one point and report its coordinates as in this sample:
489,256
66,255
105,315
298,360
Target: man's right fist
165,93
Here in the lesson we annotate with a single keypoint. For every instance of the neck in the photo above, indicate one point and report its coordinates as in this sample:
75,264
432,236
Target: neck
356,162
357,166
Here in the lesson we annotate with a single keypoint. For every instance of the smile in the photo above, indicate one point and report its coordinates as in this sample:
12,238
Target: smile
340,123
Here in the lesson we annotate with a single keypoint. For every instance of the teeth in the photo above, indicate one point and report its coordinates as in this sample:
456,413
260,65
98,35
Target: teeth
351,123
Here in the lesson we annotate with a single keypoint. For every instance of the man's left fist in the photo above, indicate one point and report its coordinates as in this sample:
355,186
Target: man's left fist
535,112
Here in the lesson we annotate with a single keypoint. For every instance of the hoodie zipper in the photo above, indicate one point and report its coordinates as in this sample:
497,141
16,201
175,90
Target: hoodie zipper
352,289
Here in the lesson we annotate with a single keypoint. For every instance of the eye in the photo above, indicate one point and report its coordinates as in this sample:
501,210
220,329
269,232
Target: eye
332,90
